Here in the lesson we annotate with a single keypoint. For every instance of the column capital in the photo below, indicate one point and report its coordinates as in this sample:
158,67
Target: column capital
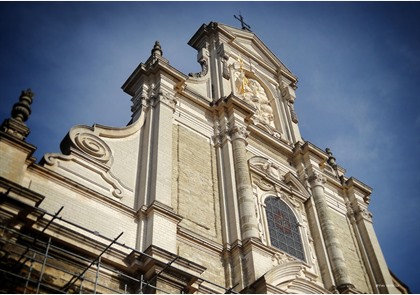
238,132
167,99
317,179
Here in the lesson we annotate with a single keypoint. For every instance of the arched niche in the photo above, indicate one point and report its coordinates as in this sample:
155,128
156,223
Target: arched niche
261,94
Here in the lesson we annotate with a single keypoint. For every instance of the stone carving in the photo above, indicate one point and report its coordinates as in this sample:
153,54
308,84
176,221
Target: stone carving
167,99
224,52
254,94
156,52
20,113
350,211
293,112
280,258
217,137
22,109
204,70
264,185
289,96
149,95
203,59
366,214
93,146
261,232
294,202
331,159
238,132
136,104
317,179
269,168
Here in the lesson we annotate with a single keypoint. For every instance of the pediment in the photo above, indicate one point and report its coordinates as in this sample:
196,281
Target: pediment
245,42
273,175
252,47
292,277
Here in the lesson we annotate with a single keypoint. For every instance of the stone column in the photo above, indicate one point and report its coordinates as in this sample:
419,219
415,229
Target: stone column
247,216
332,244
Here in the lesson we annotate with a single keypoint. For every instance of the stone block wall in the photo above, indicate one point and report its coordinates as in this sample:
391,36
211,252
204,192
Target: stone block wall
85,208
195,186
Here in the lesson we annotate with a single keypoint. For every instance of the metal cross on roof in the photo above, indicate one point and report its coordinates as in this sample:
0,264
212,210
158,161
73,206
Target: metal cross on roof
244,25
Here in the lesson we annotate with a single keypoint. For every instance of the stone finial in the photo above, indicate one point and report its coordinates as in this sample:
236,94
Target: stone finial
331,159
157,50
20,113
22,109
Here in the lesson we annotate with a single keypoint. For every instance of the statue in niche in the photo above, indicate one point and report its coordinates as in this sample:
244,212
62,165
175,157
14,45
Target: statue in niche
254,94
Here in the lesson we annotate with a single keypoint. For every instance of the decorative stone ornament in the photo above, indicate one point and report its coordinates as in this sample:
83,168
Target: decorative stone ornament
156,52
251,91
238,132
22,109
317,179
203,60
20,114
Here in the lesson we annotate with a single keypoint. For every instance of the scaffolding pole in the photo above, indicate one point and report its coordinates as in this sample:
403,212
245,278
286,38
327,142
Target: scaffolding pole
230,290
162,270
71,282
68,285
43,266
29,273
97,275
35,239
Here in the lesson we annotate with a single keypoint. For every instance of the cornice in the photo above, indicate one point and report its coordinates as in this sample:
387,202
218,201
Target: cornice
309,148
275,142
19,144
365,190
158,67
162,209
21,193
82,240
88,242
204,243
232,103
251,243
156,256
189,93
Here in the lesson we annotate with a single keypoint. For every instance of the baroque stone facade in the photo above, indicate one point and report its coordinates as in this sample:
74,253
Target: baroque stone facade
209,189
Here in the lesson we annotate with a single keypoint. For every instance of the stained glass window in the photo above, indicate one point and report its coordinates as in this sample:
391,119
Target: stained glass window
283,228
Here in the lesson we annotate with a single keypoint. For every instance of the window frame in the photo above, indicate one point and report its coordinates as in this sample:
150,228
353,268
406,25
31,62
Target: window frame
270,230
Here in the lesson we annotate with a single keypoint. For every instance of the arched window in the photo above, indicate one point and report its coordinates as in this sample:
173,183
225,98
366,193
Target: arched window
283,228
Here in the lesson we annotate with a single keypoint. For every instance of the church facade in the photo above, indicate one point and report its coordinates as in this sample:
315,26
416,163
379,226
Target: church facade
210,188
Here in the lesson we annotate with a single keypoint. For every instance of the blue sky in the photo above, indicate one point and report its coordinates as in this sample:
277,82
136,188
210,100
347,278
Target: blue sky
358,65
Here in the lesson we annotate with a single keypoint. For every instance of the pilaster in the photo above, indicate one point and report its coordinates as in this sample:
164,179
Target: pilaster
359,198
239,212
248,219
161,150
289,96
152,86
340,273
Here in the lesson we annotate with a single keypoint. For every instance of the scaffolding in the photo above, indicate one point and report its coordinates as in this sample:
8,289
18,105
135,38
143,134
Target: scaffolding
32,261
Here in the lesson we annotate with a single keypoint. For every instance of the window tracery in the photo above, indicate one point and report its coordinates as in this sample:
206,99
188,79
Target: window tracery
283,227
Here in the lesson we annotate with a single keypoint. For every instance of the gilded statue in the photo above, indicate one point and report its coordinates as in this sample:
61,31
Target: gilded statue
254,94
